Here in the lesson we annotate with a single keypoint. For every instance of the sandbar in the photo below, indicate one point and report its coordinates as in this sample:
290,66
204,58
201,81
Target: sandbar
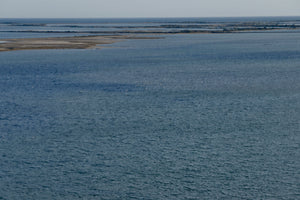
76,42
122,33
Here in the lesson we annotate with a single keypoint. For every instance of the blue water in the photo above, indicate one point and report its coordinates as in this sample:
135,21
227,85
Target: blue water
207,116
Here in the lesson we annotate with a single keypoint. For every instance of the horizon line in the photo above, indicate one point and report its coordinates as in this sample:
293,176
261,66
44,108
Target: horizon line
146,17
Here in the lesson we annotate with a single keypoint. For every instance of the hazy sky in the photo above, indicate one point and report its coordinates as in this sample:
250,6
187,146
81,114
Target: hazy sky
146,8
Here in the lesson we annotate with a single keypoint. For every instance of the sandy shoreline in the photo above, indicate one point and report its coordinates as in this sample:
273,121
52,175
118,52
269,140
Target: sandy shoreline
114,33
86,42
76,42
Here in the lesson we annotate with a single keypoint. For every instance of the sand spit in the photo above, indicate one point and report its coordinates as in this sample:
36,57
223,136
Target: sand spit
77,42
121,33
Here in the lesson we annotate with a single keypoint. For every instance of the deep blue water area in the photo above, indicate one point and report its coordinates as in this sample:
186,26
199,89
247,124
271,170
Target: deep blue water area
199,116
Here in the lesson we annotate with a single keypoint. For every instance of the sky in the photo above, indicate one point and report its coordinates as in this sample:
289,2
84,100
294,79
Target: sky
146,8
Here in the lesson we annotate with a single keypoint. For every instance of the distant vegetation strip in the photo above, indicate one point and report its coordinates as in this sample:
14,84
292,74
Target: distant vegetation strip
170,28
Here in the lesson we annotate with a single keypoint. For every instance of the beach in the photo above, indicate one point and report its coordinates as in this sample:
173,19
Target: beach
81,42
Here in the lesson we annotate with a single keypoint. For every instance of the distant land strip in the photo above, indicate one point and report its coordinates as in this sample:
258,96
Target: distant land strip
166,28
174,30
130,32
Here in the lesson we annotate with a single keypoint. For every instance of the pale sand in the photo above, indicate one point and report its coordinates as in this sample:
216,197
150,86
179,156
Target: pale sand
80,42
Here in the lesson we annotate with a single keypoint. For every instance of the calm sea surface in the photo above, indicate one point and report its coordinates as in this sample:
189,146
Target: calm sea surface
199,116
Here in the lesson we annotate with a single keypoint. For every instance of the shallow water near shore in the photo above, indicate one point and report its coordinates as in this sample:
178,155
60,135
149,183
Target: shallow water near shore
208,116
